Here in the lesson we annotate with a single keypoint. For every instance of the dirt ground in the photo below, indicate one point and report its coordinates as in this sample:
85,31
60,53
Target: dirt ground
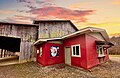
110,69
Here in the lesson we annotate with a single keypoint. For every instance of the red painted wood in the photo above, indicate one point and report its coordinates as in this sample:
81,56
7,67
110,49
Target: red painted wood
89,57
78,61
46,59
41,59
92,56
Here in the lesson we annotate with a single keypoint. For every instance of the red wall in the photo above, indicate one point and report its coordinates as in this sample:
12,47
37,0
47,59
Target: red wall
92,56
46,59
77,61
41,59
89,56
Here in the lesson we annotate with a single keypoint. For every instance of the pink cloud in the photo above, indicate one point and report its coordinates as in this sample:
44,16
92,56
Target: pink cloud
61,13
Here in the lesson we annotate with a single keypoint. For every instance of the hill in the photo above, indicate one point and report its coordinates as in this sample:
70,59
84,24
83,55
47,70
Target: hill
116,48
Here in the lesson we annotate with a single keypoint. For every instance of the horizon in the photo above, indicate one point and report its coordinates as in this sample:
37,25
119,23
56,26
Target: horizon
103,14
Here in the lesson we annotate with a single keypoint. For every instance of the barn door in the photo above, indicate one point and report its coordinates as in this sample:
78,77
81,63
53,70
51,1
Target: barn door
67,56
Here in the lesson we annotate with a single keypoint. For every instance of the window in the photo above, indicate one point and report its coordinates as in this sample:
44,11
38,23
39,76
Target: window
40,51
76,50
100,51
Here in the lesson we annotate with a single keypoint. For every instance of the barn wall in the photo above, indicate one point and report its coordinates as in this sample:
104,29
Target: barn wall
28,35
54,29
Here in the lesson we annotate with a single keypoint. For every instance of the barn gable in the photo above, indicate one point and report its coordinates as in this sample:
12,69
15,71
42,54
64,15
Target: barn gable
55,28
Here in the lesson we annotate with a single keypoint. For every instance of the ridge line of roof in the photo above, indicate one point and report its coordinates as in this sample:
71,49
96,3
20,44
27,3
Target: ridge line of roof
18,24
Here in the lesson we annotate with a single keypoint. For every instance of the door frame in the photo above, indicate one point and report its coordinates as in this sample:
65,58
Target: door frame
68,55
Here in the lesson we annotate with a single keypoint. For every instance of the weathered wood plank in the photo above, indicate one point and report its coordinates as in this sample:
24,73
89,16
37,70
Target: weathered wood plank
28,35
54,29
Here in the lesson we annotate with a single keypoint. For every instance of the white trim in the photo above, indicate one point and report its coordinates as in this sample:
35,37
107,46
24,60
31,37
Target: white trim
45,40
75,50
80,31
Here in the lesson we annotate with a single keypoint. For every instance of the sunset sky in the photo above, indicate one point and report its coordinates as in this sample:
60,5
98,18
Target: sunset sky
83,13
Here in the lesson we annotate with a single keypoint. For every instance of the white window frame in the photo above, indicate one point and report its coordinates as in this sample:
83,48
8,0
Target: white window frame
75,50
98,51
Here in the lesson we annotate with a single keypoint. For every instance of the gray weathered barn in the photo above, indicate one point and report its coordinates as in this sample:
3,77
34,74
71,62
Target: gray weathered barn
19,38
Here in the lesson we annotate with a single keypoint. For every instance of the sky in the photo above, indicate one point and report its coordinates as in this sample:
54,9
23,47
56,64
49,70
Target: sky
83,13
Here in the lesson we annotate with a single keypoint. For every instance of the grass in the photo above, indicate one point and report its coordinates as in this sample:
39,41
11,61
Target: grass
114,55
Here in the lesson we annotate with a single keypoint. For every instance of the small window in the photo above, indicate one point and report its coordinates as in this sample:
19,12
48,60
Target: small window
40,51
100,51
76,50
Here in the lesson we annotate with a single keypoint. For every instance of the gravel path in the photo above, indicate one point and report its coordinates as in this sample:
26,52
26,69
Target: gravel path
33,70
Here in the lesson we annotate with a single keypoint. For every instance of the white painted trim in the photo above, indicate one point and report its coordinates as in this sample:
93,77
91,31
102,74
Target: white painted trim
79,50
45,40
80,31
103,54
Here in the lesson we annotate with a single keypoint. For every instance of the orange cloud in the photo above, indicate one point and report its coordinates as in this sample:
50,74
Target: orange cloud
78,5
117,2
14,20
7,11
20,17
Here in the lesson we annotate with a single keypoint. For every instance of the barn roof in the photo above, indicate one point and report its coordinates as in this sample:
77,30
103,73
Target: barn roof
8,23
81,31
38,21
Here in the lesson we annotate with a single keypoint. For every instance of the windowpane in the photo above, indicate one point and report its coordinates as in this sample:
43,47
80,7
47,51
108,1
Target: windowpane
77,50
100,50
74,50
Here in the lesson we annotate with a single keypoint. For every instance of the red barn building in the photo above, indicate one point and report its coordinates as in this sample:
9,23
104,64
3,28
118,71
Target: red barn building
85,48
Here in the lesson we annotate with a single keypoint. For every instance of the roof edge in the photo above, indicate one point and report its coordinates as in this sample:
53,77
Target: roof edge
18,24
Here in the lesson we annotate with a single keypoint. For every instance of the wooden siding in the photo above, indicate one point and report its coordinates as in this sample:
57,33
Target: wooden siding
54,29
28,35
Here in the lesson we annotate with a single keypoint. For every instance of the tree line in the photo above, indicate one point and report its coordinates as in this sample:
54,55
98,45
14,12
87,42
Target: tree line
115,50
